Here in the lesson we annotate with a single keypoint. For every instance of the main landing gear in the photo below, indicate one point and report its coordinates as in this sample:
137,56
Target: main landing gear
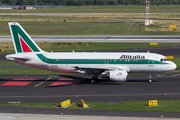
149,75
94,79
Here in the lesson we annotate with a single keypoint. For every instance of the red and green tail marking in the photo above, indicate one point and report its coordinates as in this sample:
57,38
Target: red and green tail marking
22,41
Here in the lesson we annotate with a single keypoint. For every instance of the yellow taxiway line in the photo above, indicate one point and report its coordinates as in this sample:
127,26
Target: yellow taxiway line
42,82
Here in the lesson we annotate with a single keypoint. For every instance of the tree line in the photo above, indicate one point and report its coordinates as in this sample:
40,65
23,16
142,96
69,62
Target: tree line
87,2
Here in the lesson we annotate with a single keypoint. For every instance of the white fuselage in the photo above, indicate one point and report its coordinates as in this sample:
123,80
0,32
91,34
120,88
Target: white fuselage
67,61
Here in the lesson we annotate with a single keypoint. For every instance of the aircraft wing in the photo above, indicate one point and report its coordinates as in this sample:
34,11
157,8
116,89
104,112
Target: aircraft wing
92,67
102,68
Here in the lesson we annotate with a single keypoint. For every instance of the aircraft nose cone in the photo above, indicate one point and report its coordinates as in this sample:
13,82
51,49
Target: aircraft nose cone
173,66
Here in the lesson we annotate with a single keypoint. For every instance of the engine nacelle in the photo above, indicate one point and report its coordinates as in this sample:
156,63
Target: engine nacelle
119,75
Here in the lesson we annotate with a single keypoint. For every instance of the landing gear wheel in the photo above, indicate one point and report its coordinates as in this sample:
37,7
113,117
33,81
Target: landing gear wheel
150,81
93,81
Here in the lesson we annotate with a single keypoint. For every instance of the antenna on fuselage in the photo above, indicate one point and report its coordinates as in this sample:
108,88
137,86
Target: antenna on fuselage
147,51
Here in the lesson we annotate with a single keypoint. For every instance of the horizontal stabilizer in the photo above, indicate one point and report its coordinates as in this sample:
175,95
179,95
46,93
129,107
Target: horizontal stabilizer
15,56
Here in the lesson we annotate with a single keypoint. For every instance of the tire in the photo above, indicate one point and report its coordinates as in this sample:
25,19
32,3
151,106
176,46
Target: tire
93,81
150,81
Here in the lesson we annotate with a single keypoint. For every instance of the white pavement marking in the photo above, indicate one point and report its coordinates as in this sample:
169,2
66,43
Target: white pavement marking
72,117
160,39
7,118
102,95
175,75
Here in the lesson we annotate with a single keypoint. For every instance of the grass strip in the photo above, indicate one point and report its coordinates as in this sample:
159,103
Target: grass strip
165,106
30,71
177,61
114,25
100,9
85,46
10,63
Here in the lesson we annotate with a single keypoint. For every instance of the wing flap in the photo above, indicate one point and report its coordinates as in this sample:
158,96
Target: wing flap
92,67
102,68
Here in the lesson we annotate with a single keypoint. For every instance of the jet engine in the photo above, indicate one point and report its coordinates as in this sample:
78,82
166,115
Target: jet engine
119,75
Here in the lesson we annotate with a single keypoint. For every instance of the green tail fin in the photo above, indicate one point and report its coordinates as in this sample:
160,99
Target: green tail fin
21,40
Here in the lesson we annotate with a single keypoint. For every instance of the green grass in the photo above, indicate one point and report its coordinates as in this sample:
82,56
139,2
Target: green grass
98,25
177,61
84,46
101,9
9,63
37,105
165,106
114,24
74,28
84,28
30,71
100,46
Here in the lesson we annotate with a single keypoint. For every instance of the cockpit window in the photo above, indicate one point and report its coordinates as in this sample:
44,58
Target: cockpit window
164,59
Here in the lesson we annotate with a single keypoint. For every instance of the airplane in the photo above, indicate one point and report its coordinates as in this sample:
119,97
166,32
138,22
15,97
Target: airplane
112,65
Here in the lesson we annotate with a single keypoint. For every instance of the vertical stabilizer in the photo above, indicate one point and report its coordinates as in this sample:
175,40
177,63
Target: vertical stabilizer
21,40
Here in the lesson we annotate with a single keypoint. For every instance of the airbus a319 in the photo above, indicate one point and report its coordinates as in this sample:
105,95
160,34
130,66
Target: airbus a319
113,65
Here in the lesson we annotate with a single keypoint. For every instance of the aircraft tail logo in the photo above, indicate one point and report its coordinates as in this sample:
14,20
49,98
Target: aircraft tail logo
21,40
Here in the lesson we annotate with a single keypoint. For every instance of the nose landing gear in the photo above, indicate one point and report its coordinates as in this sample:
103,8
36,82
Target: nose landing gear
149,75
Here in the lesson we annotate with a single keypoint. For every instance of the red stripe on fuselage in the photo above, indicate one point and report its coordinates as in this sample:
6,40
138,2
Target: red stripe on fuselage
24,46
